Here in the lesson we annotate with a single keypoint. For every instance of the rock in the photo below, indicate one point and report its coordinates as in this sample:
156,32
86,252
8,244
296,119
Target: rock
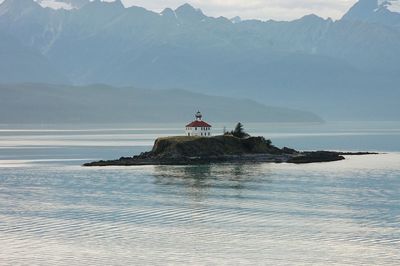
287,150
214,146
316,157
186,150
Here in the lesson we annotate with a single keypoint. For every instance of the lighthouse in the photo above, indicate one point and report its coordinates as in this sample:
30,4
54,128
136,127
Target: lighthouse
198,128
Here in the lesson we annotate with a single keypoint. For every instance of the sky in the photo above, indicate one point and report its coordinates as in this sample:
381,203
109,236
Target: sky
256,9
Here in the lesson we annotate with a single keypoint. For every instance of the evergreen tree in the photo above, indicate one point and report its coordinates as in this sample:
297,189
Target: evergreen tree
239,131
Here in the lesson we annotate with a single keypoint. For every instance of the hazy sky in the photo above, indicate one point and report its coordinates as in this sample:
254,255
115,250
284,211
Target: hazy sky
259,9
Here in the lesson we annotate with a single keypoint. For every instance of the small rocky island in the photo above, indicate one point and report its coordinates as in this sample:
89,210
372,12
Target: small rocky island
187,150
199,147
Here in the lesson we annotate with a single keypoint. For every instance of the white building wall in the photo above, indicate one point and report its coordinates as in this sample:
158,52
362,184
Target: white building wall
198,131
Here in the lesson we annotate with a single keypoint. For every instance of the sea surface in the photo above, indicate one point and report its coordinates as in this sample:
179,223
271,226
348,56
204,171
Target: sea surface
55,212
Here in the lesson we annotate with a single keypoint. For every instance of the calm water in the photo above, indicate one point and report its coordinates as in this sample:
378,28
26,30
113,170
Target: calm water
54,212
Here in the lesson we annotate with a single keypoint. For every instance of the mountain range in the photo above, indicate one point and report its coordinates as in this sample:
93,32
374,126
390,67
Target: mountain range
99,104
345,69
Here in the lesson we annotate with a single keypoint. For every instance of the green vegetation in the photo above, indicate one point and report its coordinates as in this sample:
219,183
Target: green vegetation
172,147
238,132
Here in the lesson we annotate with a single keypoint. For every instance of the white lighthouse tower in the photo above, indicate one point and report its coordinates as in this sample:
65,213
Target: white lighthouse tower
198,128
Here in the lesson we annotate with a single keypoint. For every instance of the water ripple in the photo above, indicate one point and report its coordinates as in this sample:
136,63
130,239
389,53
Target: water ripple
54,212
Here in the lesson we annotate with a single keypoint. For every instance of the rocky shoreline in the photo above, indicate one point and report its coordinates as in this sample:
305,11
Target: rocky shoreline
221,149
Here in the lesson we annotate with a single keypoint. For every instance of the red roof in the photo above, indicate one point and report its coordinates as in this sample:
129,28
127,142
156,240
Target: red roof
198,124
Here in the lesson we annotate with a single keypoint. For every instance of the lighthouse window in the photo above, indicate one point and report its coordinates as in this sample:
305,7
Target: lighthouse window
195,128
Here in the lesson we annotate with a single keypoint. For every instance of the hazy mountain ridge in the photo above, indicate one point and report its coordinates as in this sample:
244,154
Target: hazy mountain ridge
310,63
35,66
385,12
96,104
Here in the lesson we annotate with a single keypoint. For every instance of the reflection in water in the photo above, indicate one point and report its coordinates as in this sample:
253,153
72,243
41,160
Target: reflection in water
198,180
209,214
194,180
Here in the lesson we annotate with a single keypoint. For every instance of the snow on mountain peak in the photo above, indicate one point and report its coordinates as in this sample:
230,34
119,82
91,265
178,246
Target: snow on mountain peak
385,12
71,4
55,4
391,5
